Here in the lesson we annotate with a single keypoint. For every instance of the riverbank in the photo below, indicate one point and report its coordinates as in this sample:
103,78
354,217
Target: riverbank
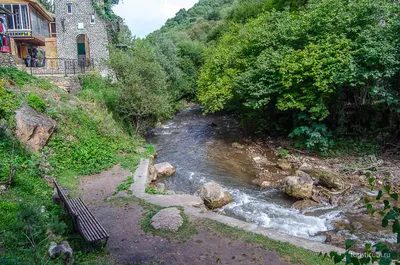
206,148
275,160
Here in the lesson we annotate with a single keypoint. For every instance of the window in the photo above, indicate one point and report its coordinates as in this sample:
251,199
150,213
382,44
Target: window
19,18
92,19
53,30
39,24
69,8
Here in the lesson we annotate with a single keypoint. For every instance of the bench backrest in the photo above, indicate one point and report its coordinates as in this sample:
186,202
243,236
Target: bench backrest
61,192
63,197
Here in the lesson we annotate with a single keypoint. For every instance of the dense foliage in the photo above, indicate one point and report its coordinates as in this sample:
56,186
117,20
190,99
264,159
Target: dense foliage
316,71
331,66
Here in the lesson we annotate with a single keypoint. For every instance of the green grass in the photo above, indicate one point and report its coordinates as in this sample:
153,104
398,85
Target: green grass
87,140
125,185
288,252
151,190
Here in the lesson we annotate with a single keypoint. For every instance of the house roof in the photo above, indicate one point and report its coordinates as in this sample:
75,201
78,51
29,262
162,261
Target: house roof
42,10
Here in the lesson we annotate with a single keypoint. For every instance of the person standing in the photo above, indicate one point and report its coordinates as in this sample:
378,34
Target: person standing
3,29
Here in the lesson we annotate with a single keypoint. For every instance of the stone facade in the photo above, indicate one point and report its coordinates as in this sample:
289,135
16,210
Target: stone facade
7,59
77,22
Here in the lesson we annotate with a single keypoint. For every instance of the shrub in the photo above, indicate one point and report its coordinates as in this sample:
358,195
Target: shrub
143,98
283,153
36,102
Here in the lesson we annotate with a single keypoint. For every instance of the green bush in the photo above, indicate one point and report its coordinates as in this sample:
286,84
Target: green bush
143,97
336,62
36,102
283,153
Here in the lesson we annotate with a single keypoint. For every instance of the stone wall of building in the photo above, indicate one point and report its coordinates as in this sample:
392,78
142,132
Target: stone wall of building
7,59
68,30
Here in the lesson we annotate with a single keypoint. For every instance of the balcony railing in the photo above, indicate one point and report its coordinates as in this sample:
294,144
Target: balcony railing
53,66
24,33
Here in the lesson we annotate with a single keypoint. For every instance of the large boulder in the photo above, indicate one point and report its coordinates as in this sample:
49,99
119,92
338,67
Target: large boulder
167,219
299,187
62,250
214,196
33,128
330,180
164,169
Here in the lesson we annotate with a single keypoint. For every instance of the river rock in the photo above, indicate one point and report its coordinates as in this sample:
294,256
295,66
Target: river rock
341,224
259,159
330,180
152,176
299,187
284,165
167,219
304,204
214,196
164,169
262,183
160,187
237,145
3,188
62,249
335,238
306,167
33,129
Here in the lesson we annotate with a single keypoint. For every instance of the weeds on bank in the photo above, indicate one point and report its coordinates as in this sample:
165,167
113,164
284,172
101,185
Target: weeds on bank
125,185
151,190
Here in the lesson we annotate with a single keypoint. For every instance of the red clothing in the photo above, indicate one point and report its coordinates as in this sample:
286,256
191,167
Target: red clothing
1,28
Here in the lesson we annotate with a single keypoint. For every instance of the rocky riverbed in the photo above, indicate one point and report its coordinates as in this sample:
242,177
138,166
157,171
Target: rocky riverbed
272,184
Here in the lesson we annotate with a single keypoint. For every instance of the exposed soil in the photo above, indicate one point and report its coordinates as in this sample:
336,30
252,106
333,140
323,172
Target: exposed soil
99,187
129,244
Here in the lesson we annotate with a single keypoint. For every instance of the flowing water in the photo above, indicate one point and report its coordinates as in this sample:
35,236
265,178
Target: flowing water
200,147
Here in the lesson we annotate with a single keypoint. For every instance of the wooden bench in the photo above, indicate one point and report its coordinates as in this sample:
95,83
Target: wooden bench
84,221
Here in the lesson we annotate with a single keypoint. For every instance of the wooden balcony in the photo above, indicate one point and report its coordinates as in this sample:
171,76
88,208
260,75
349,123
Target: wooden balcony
27,35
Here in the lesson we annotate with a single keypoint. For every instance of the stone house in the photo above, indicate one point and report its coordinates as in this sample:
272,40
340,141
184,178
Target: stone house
81,33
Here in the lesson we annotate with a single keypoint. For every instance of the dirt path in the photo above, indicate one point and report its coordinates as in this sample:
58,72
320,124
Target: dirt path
129,244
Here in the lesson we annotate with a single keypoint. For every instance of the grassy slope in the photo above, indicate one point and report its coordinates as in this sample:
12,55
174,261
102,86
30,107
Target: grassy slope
86,141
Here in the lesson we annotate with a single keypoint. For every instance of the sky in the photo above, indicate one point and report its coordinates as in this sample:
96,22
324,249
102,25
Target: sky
145,16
